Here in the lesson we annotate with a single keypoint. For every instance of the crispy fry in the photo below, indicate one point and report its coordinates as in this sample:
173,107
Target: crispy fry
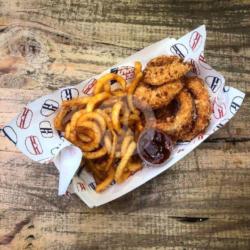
80,101
116,110
106,118
95,154
134,166
119,93
131,105
106,79
107,143
74,119
125,144
138,67
89,146
124,161
58,121
103,185
112,153
101,85
93,116
97,99
124,176
134,83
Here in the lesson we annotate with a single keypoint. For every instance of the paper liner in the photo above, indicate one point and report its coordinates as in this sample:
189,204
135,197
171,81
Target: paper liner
33,133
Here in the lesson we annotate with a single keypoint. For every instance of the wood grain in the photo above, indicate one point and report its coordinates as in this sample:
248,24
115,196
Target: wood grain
201,203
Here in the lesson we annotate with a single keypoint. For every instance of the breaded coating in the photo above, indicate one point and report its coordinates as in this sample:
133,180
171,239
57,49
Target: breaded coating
158,96
202,105
164,69
182,121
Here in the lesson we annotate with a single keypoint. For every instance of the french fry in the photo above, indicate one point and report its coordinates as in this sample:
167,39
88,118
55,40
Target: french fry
138,67
116,110
134,83
103,185
97,99
101,82
92,145
93,116
95,154
124,160
105,127
58,121
125,144
79,101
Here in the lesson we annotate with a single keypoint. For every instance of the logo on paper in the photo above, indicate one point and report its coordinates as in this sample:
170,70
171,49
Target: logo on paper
203,63
89,86
49,107
195,40
195,67
127,72
54,151
68,94
80,186
24,119
235,104
226,89
33,145
214,83
10,133
179,50
219,109
46,129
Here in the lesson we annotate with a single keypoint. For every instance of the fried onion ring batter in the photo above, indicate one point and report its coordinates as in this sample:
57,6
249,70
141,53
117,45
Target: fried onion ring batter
175,125
203,107
158,96
164,69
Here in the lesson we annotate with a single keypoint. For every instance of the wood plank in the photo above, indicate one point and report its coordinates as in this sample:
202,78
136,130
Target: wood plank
200,203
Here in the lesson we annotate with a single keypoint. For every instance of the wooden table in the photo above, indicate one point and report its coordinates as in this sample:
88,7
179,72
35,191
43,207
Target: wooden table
203,202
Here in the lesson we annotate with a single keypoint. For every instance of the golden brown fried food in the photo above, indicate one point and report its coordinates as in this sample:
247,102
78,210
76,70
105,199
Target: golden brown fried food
175,125
203,107
158,96
164,69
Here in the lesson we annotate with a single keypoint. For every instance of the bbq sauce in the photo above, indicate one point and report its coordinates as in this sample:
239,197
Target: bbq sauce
154,146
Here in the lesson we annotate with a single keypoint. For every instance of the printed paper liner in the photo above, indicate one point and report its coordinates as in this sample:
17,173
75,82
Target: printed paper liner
33,133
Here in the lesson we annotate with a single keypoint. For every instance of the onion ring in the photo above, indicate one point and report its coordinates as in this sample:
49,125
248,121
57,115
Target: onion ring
164,69
203,107
174,126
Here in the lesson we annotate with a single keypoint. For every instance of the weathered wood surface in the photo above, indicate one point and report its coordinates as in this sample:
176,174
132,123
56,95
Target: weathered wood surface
203,202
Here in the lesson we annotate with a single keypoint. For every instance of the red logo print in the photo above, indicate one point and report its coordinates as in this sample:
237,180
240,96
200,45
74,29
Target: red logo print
203,63
195,40
127,72
219,109
33,145
80,186
24,119
195,68
89,86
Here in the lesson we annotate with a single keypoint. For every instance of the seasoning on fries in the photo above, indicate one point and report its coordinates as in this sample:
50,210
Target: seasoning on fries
101,126
115,128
